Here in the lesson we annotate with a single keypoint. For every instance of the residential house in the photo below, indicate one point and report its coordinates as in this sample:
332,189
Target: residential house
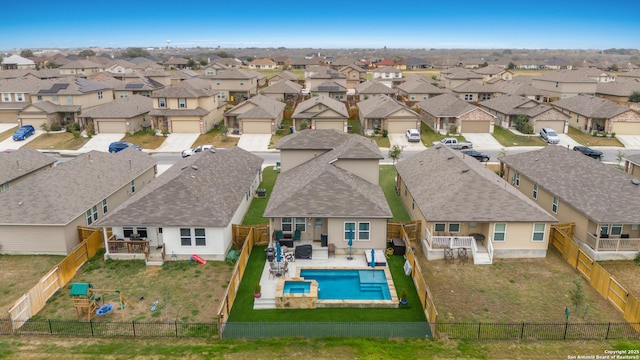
331,89
177,63
618,91
588,113
388,75
461,203
17,62
281,61
82,68
257,115
519,88
492,73
15,95
456,76
181,75
328,187
303,63
284,75
227,179
371,88
381,112
261,78
234,85
282,90
473,92
129,84
213,69
21,164
41,214
413,91
320,112
263,64
447,113
231,63
632,165
507,108
563,84
602,202
120,66
123,115
314,76
191,106
355,75
415,63
558,64
147,66
630,75
339,64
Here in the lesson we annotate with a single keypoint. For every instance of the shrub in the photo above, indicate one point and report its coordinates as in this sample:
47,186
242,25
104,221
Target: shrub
385,133
45,127
76,134
73,127
56,127
523,125
453,129
637,259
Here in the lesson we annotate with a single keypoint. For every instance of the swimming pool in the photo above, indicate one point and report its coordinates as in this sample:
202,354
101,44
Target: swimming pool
297,287
349,284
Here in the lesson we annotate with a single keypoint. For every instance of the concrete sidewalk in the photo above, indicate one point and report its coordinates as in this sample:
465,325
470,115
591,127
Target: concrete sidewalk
10,144
100,142
483,141
177,142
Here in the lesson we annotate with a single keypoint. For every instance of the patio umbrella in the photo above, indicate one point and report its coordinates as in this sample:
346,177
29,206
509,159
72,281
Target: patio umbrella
373,258
278,252
350,244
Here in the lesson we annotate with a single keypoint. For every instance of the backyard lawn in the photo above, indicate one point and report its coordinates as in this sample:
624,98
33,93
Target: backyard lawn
57,141
627,272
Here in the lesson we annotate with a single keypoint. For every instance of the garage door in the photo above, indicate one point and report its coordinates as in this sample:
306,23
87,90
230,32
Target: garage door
557,125
324,125
476,126
400,126
626,128
256,127
8,117
111,127
185,126
35,122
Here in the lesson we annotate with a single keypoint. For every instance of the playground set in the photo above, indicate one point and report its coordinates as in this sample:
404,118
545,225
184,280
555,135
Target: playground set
90,302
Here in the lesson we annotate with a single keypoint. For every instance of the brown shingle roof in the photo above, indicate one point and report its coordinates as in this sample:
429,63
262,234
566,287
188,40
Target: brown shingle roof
22,162
591,106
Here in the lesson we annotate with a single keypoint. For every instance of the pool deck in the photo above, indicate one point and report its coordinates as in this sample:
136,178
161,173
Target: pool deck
268,283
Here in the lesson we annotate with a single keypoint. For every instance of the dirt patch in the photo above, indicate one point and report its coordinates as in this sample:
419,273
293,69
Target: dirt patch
178,291
627,273
510,290
19,273
145,140
57,141
215,138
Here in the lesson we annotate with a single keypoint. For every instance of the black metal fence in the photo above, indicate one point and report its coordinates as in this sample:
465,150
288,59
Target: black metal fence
110,329
537,331
258,330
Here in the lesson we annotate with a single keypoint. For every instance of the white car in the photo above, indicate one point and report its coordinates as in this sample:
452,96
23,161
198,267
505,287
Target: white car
189,152
549,135
413,135
305,92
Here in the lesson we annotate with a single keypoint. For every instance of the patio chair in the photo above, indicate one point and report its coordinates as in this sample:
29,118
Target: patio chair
462,255
296,235
279,235
448,255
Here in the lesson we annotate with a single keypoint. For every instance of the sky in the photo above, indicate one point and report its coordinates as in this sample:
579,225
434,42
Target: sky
426,24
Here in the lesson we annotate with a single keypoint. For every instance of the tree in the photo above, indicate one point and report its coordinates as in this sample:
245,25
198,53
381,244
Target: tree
395,152
204,62
87,52
134,52
511,66
191,63
634,97
224,130
26,53
523,125
613,67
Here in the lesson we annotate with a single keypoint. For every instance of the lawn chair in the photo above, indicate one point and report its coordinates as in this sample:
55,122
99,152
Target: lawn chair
296,235
279,235
448,255
462,255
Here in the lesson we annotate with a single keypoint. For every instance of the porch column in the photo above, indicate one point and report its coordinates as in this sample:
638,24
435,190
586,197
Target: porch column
597,237
106,239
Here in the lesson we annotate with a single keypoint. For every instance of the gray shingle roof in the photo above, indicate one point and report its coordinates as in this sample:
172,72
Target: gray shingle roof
286,75
329,139
634,158
51,108
597,190
382,106
182,196
374,87
329,86
265,107
507,104
283,87
320,188
22,162
232,74
448,186
565,76
446,105
191,88
302,109
591,106
59,195
420,87
473,87
120,108
621,87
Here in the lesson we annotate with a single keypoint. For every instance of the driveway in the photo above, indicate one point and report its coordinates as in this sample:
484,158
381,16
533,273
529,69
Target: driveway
401,140
15,145
100,142
177,142
483,141
631,142
567,141
254,142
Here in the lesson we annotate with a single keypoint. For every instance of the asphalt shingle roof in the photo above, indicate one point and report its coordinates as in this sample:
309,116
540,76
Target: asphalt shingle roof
22,162
121,108
382,106
373,87
335,105
283,87
591,106
446,105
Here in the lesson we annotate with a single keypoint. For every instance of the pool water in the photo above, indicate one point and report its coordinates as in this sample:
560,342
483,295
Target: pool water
297,287
349,284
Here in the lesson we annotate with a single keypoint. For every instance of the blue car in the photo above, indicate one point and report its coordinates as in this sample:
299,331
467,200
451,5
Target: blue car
23,132
114,147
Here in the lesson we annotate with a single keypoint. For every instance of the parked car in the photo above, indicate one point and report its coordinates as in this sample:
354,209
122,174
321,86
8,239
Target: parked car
482,157
596,154
116,146
23,132
189,152
549,135
305,92
454,143
413,135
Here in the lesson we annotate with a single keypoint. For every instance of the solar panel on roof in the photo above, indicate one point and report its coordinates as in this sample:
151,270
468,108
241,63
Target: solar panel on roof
54,89
133,86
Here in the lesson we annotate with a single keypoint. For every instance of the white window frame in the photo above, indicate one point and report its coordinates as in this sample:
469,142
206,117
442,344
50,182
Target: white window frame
20,97
435,227
451,230
200,238
182,103
503,232
133,186
69,100
364,234
105,208
92,214
468,97
185,237
537,232
554,205
162,103
100,95
346,230
535,192
6,97
613,228
517,180
124,94
300,224
288,223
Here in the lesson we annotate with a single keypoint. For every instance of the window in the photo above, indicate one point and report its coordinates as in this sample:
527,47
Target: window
162,102
468,97
604,230
538,232
499,231
4,187
363,230
439,227
133,186
454,227
616,229
6,97
217,82
69,100
413,204
301,225
127,231
286,224
349,230
104,206
100,96
92,215
517,180
185,237
486,96
554,206
19,97
124,95
241,82
201,239
182,103
535,191
412,97
39,97
319,222
54,98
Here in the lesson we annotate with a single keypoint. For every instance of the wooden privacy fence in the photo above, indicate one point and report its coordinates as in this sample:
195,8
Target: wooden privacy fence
259,233
599,278
36,298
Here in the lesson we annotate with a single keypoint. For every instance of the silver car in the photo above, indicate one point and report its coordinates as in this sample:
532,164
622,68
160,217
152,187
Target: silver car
413,135
549,135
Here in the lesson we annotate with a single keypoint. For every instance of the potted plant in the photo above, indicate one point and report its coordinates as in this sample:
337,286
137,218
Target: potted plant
403,297
257,291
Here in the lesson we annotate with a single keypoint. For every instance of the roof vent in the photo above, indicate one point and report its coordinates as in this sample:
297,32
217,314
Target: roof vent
194,167
635,181
450,157
464,170
213,150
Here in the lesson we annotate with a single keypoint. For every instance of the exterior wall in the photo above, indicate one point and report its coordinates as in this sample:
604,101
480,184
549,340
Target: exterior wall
366,169
236,85
377,234
84,100
292,158
565,90
33,239
132,124
215,249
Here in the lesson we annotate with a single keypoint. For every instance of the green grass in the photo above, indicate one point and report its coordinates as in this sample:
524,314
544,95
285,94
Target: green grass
590,140
428,136
388,184
507,138
242,310
254,214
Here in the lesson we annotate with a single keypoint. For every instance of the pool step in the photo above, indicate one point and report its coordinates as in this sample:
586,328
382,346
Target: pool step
320,253
264,303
